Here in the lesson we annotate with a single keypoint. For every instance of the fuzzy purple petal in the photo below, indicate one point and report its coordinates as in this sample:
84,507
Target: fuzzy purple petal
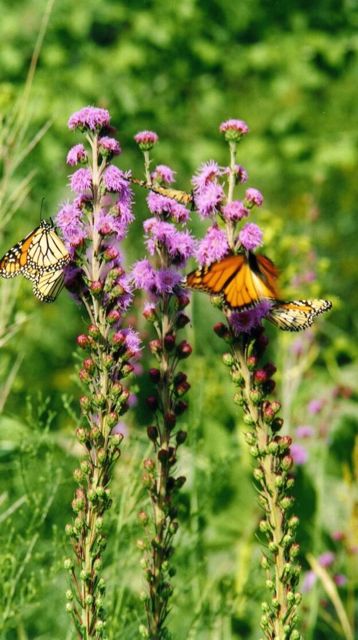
212,247
251,236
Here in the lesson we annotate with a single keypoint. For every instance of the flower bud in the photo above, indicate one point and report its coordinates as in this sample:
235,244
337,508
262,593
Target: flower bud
287,463
113,316
221,330
276,425
251,362
152,433
149,464
181,437
228,359
182,388
155,346
260,376
184,349
85,403
84,376
270,369
82,341
182,320
180,407
170,419
169,341
255,396
94,331
183,300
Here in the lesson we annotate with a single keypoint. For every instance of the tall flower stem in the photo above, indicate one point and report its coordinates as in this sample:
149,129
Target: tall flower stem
273,463
92,225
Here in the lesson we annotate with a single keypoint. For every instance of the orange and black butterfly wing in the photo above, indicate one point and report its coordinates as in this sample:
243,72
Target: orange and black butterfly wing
14,261
241,280
297,315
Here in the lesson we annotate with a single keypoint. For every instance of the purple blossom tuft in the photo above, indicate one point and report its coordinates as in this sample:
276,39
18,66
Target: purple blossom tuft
207,200
143,275
162,173
250,236
107,224
234,129
240,174
146,139
132,342
305,431
299,454
166,280
68,220
76,155
89,118
244,321
316,406
179,244
326,559
113,179
234,211
253,197
167,207
207,173
81,180
212,247
109,146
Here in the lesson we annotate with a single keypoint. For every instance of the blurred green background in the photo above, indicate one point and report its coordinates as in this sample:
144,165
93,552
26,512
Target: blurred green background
289,68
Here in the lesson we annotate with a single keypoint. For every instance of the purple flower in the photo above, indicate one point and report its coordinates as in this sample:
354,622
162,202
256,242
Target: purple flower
76,155
89,118
68,219
181,247
240,174
316,406
234,211
250,236
167,207
162,173
244,321
107,224
207,173
253,197
166,280
109,146
340,580
146,139
120,429
299,454
309,581
213,246
81,180
143,275
326,559
207,200
113,179
179,244
132,342
304,431
234,129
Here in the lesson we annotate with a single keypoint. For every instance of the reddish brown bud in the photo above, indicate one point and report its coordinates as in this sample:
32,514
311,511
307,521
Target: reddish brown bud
221,330
127,369
269,386
179,378
163,455
260,376
180,407
181,437
184,349
94,331
183,300
82,341
149,313
84,376
287,463
251,362
88,364
170,419
152,403
152,433
118,338
85,403
155,346
96,287
182,320
182,388
169,341
113,316
154,375
270,369
277,424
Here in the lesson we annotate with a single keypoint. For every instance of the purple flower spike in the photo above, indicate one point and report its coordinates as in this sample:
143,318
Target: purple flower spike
253,197
132,342
234,129
241,174
91,118
166,280
109,146
244,321
299,454
208,200
315,406
68,220
167,207
235,211
76,155
81,181
250,236
146,139
162,173
213,246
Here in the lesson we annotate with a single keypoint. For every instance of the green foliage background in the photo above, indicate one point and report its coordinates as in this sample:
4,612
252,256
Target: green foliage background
288,68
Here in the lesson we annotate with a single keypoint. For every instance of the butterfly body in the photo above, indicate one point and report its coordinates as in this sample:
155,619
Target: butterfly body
175,194
40,257
244,280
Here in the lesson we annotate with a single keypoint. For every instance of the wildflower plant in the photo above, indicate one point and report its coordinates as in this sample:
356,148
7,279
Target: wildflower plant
169,245
93,224
230,231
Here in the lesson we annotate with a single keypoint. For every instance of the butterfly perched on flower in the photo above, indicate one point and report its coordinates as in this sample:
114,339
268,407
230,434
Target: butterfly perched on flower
175,194
242,281
40,257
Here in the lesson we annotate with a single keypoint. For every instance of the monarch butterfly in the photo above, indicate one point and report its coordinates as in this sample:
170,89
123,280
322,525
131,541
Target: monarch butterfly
40,257
244,280
175,194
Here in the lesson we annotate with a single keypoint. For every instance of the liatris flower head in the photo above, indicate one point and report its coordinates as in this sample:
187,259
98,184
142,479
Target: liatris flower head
245,321
109,147
91,118
167,208
234,211
146,140
316,406
250,236
81,181
214,246
304,431
299,454
326,559
163,174
208,200
233,129
76,155
253,197
208,172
